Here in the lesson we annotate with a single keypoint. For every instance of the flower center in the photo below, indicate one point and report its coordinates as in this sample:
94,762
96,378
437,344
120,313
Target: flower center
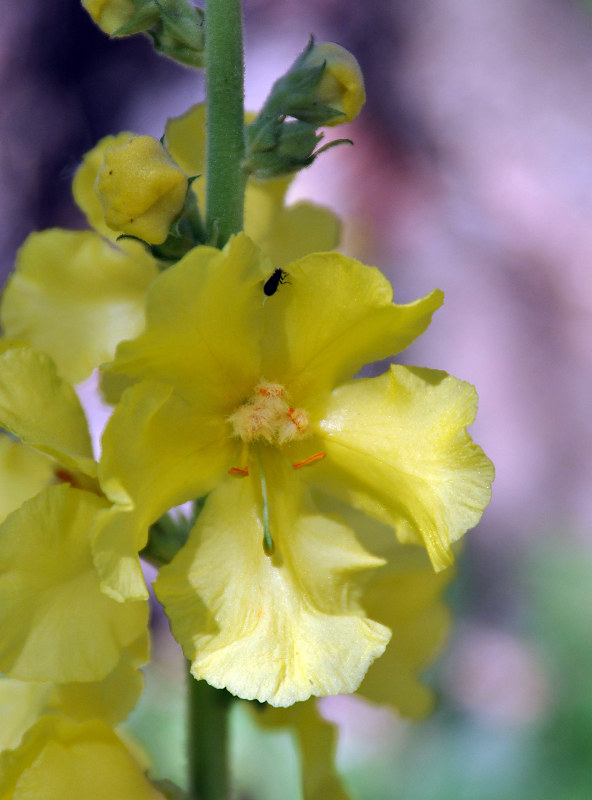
268,416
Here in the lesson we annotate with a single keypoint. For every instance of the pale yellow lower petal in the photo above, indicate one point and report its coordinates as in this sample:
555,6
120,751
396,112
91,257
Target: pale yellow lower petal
56,623
43,410
277,629
335,316
60,760
24,472
83,185
398,449
75,296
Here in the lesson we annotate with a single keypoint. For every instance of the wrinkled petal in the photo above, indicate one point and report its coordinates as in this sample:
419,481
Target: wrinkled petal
24,472
75,296
83,185
158,452
397,448
204,323
59,759
277,629
42,409
56,623
317,742
335,316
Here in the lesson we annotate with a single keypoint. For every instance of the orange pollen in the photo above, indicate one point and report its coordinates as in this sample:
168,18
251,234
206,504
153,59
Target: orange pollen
310,460
241,472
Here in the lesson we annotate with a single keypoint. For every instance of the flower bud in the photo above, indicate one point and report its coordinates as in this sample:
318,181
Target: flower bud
132,15
342,85
141,189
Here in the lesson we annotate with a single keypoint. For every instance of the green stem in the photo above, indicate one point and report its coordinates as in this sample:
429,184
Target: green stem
225,120
208,741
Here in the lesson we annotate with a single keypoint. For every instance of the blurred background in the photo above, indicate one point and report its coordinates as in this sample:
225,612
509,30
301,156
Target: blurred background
472,172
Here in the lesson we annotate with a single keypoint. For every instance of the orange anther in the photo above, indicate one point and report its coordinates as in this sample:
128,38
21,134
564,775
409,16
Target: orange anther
241,472
310,460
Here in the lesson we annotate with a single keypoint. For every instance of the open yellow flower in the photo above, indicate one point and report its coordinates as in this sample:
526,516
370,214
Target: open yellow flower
251,398
57,624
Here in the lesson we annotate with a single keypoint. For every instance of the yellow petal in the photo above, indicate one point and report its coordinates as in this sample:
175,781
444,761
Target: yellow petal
317,742
56,623
22,703
398,449
335,315
23,474
111,699
406,595
158,452
287,234
75,296
59,759
204,323
83,185
43,410
277,629
185,138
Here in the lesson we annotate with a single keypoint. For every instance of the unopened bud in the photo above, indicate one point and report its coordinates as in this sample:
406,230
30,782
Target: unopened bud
123,17
342,85
141,189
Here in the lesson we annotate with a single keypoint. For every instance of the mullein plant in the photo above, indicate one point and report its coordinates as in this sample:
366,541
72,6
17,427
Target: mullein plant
228,333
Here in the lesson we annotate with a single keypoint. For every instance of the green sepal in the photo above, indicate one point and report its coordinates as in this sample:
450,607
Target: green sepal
147,14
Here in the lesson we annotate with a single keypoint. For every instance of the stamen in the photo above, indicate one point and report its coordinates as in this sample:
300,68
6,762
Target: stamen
310,460
240,471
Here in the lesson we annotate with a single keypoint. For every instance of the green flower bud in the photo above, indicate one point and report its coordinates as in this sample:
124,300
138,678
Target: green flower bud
141,189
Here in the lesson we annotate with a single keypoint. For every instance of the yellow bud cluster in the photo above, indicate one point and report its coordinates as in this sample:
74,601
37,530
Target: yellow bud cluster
141,189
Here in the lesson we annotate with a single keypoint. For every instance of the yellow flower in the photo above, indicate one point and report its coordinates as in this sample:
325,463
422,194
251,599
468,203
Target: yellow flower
57,624
76,294
141,189
59,759
342,82
251,399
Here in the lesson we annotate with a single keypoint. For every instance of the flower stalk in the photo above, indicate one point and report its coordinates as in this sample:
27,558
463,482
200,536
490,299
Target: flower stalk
207,728
225,120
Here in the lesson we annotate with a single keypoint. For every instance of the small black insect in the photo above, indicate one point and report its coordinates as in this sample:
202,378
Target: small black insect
277,277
